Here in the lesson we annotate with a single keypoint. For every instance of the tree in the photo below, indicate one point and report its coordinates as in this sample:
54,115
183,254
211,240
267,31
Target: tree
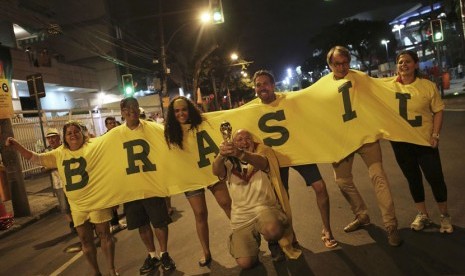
361,37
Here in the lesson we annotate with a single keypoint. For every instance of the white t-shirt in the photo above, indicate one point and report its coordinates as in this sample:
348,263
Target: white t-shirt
249,194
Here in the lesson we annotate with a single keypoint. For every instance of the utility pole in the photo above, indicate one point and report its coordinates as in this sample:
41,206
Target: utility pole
14,173
462,13
164,88
162,50
10,158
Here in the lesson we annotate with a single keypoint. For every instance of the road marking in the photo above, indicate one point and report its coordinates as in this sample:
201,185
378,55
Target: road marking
65,265
455,109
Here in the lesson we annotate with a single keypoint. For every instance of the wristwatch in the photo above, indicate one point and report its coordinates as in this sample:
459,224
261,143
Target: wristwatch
435,136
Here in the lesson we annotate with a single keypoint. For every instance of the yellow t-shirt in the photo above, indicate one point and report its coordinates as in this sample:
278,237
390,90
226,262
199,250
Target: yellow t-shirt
424,101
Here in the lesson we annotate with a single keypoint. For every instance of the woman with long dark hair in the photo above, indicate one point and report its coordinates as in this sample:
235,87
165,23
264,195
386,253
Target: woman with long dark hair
184,118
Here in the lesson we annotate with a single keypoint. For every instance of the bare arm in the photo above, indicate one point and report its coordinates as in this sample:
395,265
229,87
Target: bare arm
228,149
12,142
437,125
258,161
218,167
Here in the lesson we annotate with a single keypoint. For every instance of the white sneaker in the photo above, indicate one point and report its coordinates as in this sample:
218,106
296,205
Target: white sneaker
420,222
446,225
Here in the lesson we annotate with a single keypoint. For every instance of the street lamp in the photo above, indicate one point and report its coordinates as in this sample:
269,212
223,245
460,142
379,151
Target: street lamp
385,42
398,28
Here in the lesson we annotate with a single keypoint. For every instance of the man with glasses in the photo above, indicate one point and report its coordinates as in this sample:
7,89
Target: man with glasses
338,59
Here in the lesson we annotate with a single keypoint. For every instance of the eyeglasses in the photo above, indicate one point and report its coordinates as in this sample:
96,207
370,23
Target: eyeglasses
342,64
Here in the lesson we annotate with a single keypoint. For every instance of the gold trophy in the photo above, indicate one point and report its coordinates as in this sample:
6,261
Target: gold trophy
226,131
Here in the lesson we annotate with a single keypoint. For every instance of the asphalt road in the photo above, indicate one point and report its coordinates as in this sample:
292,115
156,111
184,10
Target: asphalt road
39,248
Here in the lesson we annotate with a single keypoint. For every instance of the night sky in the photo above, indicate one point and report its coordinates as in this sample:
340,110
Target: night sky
274,34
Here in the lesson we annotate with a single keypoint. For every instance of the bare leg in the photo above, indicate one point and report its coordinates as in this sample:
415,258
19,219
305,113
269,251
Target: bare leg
322,199
247,262
199,206
421,207
146,235
86,236
162,237
221,194
443,208
107,243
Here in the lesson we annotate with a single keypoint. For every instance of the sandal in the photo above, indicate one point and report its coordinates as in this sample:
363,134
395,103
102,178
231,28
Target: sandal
205,261
329,242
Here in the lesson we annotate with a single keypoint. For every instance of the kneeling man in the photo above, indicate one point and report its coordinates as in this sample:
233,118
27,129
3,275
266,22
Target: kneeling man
260,205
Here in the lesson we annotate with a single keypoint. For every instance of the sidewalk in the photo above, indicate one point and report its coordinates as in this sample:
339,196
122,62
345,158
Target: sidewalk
455,95
41,202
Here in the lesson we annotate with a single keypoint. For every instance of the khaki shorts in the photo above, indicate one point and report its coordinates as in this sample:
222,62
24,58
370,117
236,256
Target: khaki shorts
99,216
244,242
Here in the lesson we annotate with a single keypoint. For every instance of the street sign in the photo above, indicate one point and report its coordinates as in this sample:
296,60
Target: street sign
35,84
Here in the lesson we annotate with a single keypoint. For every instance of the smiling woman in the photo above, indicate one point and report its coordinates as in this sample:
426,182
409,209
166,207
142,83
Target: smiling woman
184,119
415,160
85,222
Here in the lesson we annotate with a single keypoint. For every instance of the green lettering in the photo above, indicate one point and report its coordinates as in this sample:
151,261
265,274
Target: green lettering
75,167
403,100
349,113
141,155
202,136
262,124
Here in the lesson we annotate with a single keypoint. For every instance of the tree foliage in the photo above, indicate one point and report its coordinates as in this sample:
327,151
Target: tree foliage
362,37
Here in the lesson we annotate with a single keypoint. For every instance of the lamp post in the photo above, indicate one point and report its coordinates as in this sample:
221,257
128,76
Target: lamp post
386,42
398,27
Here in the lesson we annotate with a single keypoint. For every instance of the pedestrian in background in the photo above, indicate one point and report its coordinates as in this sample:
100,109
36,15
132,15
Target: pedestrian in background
115,225
54,141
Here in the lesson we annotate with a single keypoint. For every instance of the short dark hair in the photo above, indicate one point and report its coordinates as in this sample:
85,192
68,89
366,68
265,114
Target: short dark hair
341,50
263,73
413,55
109,118
128,101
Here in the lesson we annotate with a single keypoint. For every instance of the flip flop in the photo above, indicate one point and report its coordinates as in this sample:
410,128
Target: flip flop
329,242
205,261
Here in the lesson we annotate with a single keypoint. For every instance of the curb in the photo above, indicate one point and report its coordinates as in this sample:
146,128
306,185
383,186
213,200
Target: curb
22,222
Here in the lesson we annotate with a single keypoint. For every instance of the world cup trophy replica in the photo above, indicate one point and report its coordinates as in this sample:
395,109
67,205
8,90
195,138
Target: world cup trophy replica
226,131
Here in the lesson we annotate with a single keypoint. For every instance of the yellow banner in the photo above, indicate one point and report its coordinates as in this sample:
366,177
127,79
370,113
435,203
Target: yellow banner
6,103
320,124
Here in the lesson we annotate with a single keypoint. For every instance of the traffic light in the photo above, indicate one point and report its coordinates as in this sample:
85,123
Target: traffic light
436,30
216,9
128,85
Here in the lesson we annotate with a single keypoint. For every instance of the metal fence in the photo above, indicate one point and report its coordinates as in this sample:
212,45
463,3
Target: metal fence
27,128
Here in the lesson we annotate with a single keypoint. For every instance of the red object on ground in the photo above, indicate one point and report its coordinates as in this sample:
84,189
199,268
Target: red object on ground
6,219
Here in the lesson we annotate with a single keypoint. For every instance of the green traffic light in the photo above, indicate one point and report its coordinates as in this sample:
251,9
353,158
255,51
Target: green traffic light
128,90
217,16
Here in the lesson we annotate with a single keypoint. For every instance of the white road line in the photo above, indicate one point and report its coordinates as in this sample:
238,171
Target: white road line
455,109
65,265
